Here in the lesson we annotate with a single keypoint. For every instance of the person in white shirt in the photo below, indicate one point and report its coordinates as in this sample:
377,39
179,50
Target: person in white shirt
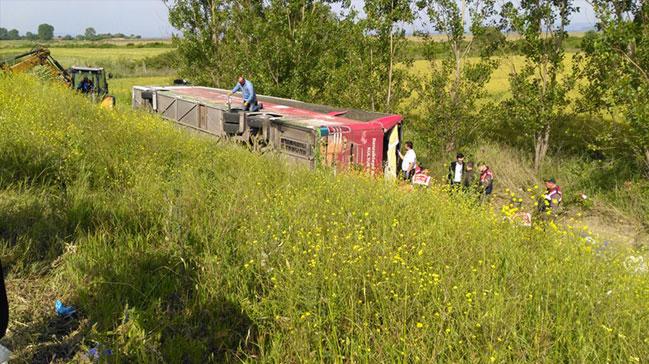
409,160
456,170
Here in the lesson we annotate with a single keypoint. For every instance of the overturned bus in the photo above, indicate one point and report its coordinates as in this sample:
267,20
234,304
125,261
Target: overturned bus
305,133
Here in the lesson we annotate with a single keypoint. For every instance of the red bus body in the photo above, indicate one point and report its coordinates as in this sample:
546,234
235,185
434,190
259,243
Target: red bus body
305,133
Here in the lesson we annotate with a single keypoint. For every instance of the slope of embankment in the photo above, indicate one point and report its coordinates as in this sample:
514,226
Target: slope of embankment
175,248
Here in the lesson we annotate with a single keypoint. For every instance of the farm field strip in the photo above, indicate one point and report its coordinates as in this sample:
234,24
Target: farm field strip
69,56
498,86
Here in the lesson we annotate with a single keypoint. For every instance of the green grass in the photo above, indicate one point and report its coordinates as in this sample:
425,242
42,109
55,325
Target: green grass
617,209
179,248
121,87
618,193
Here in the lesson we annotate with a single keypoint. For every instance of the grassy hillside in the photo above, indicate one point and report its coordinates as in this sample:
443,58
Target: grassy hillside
178,248
616,210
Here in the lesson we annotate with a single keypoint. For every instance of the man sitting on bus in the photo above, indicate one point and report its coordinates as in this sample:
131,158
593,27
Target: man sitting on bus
249,95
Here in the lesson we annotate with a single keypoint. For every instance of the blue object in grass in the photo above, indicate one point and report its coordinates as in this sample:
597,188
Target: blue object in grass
95,353
63,310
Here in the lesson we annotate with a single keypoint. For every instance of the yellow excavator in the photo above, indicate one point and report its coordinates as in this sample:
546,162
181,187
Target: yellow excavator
90,81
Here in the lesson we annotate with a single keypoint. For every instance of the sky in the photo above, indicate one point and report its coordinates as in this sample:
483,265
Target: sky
147,18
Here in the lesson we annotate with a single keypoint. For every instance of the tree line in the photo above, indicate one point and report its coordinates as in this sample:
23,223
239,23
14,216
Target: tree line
307,50
45,32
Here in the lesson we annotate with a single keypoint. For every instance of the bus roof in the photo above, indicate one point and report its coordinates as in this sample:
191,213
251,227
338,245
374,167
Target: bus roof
292,110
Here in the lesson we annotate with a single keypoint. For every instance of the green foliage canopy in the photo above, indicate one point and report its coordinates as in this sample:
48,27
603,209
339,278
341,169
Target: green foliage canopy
539,96
296,49
616,69
448,98
45,32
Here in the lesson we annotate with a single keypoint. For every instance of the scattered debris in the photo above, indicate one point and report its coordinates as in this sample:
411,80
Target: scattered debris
635,264
522,218
5,354
63,310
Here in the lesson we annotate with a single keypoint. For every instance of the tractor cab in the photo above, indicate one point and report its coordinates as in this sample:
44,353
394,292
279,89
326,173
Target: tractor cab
93,82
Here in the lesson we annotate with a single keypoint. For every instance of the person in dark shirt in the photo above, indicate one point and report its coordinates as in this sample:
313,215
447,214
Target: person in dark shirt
85,86
468,178
552,198
456,169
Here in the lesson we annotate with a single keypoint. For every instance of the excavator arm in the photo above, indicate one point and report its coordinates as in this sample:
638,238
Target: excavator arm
37,57
41,57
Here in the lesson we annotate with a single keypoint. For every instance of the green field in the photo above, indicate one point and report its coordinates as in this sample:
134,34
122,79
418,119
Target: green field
498,86
121,87
88,56
173,253
127,64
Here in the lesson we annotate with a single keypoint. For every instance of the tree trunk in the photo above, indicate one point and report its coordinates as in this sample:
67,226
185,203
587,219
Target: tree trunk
370,73
541,148
457,52
646,162
387,101
450,146
458,74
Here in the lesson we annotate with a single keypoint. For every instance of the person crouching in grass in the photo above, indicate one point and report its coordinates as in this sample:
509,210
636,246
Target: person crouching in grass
486,182
550,202
421,177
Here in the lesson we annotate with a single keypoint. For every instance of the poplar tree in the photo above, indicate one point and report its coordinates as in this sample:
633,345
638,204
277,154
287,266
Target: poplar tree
616,70
539,98
447,113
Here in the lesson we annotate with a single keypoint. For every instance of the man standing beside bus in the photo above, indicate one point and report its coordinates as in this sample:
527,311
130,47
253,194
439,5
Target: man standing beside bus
249,95
409,160
456,170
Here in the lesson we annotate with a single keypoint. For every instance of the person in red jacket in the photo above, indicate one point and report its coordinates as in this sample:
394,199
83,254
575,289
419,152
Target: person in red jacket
486,180
553,195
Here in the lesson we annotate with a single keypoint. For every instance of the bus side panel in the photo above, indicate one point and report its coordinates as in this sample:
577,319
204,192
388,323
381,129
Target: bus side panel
353,148
368,146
